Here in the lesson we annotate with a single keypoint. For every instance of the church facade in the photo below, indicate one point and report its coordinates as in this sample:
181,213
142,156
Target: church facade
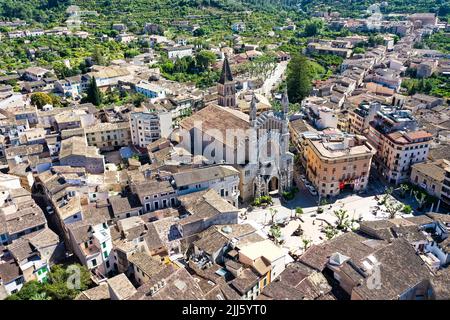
260,150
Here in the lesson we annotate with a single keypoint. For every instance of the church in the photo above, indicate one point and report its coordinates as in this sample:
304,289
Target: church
257,145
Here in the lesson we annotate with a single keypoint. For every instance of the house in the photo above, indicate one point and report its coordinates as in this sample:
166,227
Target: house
90,241
71,86
171,284
218,241
145,267
100,292
298,282
179,52
76,153
11,277
125,37
36,254
125,206
204,209
150,90
265,257
223,179
34,73
155,195
246,283
359,264
120,288
25,220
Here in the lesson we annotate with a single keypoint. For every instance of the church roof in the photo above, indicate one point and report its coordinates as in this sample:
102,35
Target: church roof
226,75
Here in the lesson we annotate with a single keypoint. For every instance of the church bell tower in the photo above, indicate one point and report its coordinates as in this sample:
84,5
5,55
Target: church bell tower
226,87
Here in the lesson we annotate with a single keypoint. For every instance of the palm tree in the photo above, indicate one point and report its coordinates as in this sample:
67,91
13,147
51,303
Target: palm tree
40,296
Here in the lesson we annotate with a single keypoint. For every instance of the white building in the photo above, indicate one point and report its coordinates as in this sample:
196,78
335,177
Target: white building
179,52
92,244
147,127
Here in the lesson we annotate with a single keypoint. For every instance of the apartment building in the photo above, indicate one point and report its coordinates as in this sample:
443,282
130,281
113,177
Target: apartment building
360,117
398,142
147,127
399,150
337,162
109,135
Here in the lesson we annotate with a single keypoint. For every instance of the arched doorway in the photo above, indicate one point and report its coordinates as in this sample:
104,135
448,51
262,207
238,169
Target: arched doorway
273,184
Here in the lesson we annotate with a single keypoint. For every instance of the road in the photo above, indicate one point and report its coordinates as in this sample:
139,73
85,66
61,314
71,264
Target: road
270,82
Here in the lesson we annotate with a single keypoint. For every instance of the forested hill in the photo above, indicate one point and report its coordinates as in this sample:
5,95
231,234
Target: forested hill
53,11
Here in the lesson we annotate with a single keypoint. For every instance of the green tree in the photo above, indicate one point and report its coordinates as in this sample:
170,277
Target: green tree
342,218
56,287
137,99
330,232
204,59
306,243
407,209
275,231
403,189
56,100
94,95
421,198
273,213
40,99
313,27
298,211
298,79
98,56
199,32
392,209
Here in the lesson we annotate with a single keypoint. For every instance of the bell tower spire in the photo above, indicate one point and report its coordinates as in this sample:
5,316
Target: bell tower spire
226,87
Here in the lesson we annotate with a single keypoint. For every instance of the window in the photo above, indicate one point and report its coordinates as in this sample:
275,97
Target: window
104,245
94,262
107,264
105,254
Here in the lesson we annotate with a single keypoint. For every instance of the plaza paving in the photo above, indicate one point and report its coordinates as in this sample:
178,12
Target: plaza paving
358,208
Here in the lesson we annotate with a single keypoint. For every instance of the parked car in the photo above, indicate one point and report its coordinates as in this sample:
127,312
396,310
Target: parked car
303,178
50,210
312,190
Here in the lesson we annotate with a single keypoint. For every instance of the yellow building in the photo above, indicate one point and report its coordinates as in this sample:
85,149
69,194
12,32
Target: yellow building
108,135
337,162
